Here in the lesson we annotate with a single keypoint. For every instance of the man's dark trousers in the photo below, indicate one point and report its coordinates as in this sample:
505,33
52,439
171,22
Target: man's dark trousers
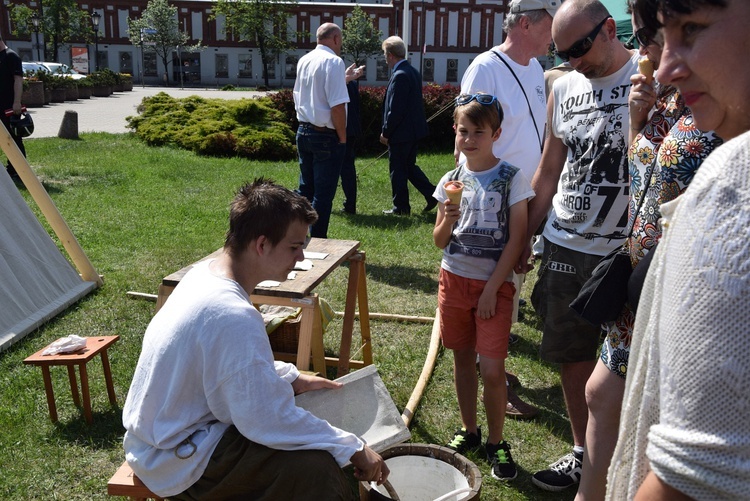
320,159
403,169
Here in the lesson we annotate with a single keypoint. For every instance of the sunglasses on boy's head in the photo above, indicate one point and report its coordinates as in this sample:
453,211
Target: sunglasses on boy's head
486,99
582,46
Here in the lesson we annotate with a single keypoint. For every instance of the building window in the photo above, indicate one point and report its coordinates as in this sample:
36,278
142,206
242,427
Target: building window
126,62
271,71
451,73
290,71
189,64
102,58
246,66
222,66
428,70
381,69
149,64
25,55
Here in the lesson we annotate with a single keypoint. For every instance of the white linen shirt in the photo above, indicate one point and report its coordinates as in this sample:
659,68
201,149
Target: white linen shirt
320,85
206,364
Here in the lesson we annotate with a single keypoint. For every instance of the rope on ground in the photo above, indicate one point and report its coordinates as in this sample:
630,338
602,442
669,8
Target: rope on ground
439,112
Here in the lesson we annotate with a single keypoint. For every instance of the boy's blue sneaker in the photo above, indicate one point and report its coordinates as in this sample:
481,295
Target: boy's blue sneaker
463,441
501,462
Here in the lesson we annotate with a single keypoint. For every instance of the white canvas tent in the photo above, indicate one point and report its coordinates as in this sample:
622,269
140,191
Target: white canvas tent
36,281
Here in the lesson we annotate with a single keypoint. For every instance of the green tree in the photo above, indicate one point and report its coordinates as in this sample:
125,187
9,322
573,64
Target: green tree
158,30
264,22
61,21
361,39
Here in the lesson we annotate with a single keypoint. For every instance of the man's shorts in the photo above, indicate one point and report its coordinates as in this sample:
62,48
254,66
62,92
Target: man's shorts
461,328
566,336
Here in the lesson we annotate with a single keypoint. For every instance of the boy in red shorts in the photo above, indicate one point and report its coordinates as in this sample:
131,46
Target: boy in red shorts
482,238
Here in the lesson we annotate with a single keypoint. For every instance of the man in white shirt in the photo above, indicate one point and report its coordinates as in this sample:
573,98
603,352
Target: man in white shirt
210,414
320,98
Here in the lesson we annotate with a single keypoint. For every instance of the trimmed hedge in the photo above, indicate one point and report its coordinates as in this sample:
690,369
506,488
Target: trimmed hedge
264,128
438,107
249,128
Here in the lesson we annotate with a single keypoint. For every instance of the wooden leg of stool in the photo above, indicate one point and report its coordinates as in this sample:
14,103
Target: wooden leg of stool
74,385
50,394
108,378
345,348
317,347
364,313
85,394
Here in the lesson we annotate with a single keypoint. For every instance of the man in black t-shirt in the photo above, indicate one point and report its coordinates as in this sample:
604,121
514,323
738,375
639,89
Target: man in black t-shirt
11,88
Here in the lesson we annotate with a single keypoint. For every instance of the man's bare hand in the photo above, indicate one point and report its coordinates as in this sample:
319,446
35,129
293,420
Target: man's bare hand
383,140
523,266
369,466
306,382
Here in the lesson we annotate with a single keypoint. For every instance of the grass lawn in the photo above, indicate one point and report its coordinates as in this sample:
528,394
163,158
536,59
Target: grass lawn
141,213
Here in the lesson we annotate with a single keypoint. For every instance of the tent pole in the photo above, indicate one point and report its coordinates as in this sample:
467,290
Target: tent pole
47,206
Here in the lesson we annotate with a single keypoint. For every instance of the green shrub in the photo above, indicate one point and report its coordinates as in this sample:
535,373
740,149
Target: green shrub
59,82
105,78
84,82
438,107
283,101
248,128
228,87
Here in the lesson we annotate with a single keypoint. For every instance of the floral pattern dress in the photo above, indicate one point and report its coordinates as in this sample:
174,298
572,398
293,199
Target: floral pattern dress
673,148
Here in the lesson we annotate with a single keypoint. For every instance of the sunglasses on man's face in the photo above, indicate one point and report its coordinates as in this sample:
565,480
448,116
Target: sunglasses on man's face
646,36
582,46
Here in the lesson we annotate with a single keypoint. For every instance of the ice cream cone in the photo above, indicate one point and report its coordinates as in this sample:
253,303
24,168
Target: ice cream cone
646,68
454,189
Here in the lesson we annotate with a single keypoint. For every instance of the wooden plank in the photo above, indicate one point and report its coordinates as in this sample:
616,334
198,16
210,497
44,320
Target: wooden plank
338,251
125,483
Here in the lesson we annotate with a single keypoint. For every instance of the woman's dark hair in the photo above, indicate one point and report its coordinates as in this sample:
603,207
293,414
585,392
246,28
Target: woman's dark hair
646,10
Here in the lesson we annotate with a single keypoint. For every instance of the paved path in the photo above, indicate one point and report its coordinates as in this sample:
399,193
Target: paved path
107,114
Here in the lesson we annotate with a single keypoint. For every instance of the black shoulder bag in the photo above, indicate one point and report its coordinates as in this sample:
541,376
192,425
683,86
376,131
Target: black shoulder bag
605,293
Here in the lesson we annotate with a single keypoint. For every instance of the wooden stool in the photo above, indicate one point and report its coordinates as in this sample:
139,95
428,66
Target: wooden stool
125,483
94,346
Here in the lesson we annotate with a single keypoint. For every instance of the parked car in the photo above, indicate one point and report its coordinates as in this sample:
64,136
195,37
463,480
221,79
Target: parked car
62,69
33,67
53,69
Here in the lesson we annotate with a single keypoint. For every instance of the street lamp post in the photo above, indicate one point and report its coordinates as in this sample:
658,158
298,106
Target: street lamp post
35,22
95,18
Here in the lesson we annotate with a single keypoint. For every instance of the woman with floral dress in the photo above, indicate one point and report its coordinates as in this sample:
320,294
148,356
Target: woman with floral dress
665,151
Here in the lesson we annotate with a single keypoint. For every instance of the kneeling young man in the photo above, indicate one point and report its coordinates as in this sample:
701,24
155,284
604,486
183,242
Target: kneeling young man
210,414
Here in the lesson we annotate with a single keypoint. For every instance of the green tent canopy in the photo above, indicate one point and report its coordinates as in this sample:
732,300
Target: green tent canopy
618,11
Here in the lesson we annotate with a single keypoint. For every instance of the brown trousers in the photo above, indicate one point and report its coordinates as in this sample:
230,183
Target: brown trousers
241,469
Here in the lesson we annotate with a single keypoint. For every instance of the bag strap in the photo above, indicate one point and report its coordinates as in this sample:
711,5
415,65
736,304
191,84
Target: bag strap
536,128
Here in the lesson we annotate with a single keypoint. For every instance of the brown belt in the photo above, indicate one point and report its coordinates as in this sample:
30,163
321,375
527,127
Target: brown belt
316,128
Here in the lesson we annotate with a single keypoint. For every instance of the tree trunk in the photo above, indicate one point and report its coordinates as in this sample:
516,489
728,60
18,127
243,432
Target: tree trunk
263,58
